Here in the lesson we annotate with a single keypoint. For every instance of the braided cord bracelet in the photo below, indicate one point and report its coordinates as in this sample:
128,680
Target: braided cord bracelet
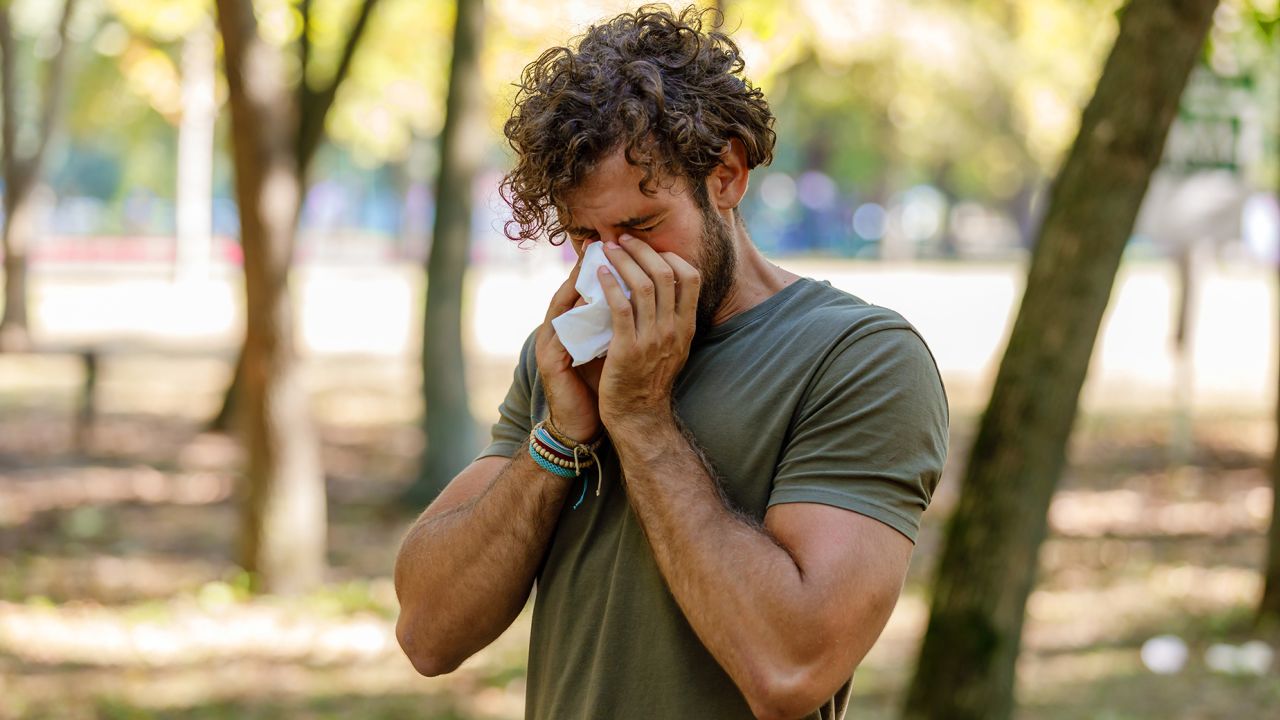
564,457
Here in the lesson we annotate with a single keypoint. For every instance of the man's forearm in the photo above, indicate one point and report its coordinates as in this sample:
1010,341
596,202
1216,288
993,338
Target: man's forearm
463,575
741,591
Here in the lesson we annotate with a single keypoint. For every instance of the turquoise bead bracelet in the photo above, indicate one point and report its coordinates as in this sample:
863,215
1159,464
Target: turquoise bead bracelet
550,451
546,464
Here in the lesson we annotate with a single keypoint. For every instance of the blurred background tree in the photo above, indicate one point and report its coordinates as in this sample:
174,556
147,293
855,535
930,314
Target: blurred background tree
1265,23
916,140
311,109
275,132
22,168
449,426
987,568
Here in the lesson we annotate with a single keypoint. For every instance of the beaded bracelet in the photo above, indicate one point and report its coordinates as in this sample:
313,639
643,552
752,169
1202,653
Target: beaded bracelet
551,468
554,450
567,441
562,456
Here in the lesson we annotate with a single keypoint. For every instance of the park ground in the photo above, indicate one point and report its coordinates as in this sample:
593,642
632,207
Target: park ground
119,597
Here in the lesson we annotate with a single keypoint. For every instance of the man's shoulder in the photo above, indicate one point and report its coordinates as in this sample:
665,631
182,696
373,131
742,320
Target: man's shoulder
826,311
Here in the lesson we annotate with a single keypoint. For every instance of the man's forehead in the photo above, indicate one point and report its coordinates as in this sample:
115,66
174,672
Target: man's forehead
610,192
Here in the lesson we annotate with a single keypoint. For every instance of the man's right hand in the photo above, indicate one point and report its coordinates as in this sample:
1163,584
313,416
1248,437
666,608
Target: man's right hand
570,391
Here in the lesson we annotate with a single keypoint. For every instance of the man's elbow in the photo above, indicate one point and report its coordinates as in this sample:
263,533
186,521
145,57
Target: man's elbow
791,694
425,655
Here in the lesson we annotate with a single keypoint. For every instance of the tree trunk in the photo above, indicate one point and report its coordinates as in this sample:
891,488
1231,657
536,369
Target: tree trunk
1022,207
1269,608
222,422
307,128
283,498
986,571
948,244
1188,261
449,426
21,173
14,333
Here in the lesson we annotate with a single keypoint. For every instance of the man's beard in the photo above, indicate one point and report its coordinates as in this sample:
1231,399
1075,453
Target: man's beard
717,263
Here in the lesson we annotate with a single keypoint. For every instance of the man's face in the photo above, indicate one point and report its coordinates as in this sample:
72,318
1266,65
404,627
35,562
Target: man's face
608,203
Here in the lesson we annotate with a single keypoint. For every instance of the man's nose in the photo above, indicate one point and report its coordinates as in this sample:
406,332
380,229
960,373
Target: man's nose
604,236
600,239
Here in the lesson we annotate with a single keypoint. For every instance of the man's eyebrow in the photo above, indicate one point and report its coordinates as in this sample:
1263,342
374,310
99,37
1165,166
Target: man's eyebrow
628,223
633,222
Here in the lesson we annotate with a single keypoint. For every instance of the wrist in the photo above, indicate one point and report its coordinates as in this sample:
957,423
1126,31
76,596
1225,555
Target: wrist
564,457
574,433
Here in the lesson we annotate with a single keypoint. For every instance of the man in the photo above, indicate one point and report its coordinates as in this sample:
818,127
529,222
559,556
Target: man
769,442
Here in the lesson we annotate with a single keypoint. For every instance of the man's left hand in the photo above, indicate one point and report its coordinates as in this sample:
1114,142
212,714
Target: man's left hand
651,332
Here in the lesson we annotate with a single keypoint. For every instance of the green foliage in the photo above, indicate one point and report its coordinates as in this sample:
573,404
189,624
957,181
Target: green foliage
981,97
396,88
349,598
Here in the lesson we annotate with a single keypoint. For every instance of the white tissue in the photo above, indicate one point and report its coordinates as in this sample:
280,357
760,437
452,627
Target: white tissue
585,331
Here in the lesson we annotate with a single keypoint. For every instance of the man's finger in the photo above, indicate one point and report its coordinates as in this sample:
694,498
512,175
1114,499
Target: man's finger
624,321
643,289
590,373
688,283
659,271
550,350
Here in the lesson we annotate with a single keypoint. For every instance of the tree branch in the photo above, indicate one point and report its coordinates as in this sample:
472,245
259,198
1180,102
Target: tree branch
314,106
304,60
53,88
8,111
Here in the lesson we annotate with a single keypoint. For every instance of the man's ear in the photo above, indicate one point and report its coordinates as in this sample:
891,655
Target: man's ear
727,183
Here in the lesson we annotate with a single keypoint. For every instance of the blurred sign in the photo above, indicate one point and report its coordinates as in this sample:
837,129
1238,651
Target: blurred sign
1185,208
1207,133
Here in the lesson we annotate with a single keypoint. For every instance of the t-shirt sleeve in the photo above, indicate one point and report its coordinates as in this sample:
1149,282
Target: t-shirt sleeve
511,430
871,434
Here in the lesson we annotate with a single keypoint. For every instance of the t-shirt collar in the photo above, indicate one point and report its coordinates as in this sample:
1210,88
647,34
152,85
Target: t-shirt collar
750,315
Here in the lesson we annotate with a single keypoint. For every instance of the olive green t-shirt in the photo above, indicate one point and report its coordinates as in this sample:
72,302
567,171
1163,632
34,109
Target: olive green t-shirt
811,396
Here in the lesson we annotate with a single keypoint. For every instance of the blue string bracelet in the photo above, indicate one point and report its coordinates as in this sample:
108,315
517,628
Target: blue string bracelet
564,457
547,465
558,471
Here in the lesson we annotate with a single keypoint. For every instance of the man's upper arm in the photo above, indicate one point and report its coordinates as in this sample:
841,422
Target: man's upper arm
865,453
871,433
855,565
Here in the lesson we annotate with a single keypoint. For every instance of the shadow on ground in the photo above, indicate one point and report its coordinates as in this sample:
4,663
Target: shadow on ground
119,597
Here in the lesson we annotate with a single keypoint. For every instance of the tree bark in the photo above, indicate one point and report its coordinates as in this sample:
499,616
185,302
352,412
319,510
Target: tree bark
1269,608
21,173
283,513
1268,616
314,105
1022,207
15,336
449,426
223,421
986,571
308,128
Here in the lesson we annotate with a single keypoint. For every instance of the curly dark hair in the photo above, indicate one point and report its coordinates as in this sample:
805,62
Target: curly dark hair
651,82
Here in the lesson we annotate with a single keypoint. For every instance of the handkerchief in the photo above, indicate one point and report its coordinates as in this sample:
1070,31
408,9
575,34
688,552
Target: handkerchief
585,331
